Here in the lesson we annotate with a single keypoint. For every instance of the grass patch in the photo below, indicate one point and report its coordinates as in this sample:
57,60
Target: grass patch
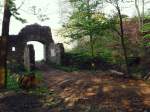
12,80
12,83
39,75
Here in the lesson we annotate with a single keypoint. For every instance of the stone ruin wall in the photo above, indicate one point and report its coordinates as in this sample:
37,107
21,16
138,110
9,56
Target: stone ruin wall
29,57
35,32
56,51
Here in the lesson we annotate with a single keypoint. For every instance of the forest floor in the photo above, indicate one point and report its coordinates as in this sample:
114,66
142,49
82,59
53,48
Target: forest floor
87,91
81,91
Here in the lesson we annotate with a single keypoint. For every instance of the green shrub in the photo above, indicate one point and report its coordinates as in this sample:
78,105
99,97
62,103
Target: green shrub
82,61
12,83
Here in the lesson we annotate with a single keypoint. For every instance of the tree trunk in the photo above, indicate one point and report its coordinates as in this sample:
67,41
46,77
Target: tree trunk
122,40
5,34
91,37
143,6
92,46
139,15
2,61
92,52
6,19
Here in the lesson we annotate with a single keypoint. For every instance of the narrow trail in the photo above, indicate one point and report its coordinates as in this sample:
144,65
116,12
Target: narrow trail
82,90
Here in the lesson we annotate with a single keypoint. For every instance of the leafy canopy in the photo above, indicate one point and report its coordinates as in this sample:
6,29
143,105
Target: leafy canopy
85,20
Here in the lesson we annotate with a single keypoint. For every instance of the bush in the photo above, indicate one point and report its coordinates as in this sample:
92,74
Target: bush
82,61
12,83
30,79
25,80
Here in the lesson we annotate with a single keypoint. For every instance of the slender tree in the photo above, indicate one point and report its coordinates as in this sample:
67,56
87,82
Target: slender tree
141,13
143,8
9,10
138,13
117,6
6,19
4,36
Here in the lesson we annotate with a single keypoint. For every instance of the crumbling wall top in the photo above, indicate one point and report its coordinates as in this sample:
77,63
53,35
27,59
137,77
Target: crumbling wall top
36,31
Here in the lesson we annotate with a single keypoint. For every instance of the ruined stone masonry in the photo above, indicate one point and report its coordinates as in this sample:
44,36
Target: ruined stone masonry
17,45
29,57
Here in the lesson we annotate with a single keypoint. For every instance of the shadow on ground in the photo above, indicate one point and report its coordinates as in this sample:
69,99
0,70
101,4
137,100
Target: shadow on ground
83,91
21,102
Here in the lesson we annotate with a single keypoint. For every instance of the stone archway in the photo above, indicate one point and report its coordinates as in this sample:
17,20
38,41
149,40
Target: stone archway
33,32
38,33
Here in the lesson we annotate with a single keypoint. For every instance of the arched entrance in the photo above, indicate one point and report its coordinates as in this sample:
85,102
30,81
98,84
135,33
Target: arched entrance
41,35
39,49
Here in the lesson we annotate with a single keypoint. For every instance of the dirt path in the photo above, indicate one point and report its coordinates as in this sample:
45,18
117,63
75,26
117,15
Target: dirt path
99,92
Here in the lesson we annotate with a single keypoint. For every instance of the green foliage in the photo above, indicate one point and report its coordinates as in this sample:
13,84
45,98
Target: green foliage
84,61
79,26
13,78
85,22
39,75
100,49
147,15
106,47
147,36
12,83
146,27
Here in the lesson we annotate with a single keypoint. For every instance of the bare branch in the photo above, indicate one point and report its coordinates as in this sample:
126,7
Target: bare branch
22,3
